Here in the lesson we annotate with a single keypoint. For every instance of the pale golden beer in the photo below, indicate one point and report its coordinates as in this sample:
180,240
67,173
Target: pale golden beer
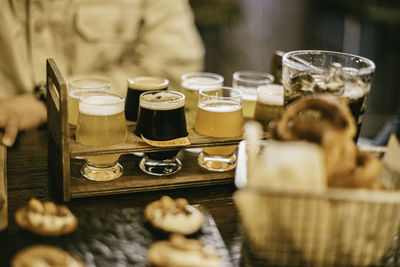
101,122
270,99
248,82
191,83
79,87
219,115
219,119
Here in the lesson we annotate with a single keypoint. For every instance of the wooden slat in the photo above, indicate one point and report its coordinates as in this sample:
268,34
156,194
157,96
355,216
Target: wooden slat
3,189
135,144
134,180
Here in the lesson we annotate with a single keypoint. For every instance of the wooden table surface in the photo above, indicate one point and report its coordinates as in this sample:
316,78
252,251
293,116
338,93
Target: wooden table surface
27,173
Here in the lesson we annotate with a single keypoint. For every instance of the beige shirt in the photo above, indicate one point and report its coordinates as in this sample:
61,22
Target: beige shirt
113,39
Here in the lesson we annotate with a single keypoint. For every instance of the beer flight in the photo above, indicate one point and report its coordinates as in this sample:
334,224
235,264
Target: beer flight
162,115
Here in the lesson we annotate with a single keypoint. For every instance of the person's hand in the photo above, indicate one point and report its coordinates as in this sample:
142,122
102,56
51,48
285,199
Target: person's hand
20,113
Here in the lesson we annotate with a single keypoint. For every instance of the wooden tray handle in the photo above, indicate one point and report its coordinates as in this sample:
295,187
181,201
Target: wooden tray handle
58,147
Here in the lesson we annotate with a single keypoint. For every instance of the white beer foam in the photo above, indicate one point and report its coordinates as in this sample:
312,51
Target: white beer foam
147,83
101,105
77,93
198,83
271,94
353,91
162,100
220,106
249,97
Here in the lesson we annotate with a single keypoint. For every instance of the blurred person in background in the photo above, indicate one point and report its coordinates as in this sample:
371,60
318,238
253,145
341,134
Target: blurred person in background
113,39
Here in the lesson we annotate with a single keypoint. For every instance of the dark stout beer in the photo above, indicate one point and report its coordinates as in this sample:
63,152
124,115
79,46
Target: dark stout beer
310,72
357,101
162,118
136,87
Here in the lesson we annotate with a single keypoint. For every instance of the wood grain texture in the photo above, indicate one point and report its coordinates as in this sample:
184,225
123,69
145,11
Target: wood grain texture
58,148
134,180
3,189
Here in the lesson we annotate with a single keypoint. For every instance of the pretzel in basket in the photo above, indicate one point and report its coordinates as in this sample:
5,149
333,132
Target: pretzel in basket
175,216
327,121
46,218
363,175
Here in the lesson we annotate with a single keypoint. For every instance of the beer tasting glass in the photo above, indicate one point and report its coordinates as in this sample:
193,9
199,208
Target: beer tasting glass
248,82
161,119
77,88
270,99
136,86
308,72
191,83
219,115
101,122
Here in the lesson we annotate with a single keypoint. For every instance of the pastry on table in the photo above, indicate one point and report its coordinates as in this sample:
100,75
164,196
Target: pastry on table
44,256
46,218
179,251
174,216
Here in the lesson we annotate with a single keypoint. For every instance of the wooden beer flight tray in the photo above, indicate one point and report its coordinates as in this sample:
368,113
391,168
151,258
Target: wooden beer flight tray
66,182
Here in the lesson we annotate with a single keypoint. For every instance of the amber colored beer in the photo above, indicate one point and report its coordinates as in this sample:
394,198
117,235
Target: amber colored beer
269,104
219,115
191,84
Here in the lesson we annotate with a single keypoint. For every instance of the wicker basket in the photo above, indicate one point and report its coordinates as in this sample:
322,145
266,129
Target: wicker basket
341,227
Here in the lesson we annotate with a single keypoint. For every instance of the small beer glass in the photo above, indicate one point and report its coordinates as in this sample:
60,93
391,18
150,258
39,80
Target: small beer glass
161,118
219,115
101,122
77,88
191,83
137,86
269,104
309,72
248,82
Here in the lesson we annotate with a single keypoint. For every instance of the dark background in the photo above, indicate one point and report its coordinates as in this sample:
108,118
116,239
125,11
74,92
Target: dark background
243,34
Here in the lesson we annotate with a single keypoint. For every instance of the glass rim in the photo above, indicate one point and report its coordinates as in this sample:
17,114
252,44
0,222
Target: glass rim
171,102
162,82
101,83
83,98
266,76
218,78
202,92
293,64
